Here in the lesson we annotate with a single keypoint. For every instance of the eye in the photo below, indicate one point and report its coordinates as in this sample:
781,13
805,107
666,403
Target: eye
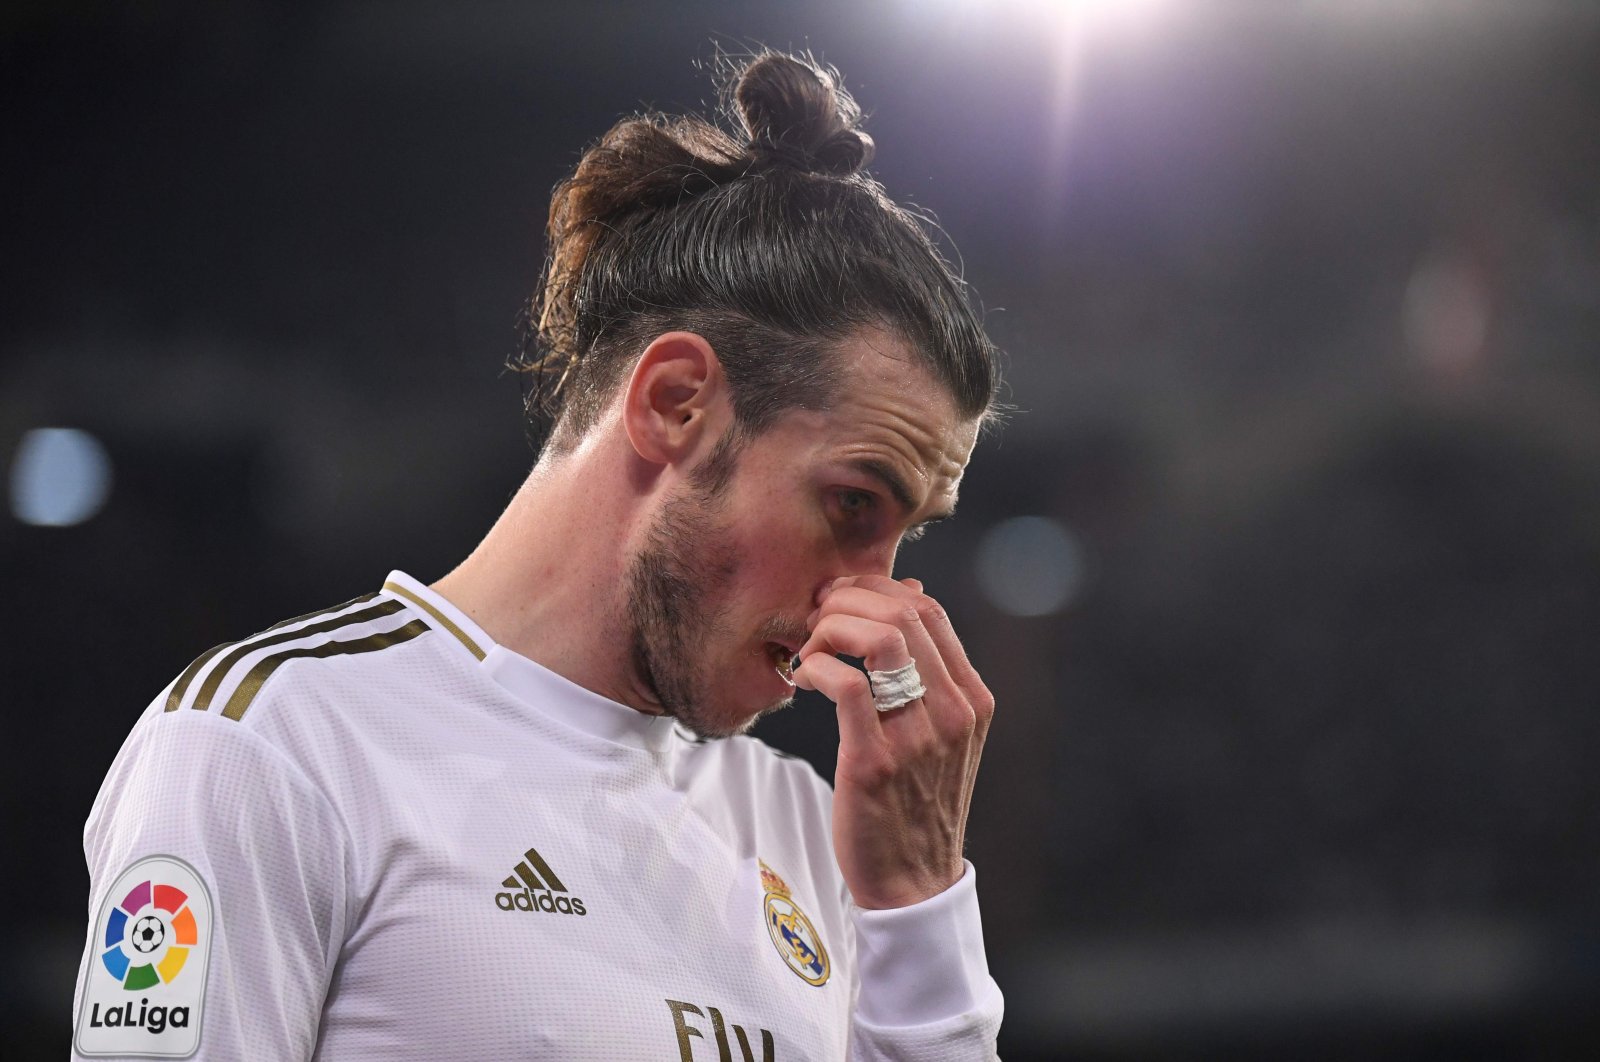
854,504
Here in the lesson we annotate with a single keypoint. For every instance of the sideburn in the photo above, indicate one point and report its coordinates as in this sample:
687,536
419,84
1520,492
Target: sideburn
712,476
683,566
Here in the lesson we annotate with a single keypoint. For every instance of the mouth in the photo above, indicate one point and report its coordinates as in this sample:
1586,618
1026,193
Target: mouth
782,658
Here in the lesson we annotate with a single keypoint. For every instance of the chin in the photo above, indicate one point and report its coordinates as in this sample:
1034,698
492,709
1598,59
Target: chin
715,725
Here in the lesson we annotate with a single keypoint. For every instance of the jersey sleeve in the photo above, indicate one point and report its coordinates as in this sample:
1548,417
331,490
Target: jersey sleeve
207,809
925,992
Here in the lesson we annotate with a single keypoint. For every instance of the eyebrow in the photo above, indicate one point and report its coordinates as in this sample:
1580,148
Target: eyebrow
897,487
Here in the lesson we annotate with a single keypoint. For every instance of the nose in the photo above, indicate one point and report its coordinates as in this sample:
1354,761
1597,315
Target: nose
876,561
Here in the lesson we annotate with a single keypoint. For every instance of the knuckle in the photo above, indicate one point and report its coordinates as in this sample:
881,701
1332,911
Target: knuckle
956,735
929,609
879,770
890,643
855,684
982,702
958,726
908,616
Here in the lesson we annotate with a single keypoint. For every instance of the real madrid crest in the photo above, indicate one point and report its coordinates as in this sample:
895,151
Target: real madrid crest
792,932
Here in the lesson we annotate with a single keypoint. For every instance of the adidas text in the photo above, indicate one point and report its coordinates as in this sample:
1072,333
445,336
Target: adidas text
526,900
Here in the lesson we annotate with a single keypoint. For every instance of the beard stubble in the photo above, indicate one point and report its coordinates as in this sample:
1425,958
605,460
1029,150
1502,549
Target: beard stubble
676,608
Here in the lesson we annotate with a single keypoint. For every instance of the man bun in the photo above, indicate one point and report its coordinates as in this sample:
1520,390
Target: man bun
798,113
762,233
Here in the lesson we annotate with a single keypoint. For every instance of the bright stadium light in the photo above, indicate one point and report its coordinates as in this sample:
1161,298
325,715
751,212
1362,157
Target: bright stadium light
59,477
1106,9
1109,13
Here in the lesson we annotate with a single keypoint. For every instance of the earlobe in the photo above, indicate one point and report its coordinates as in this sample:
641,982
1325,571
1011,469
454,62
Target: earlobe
675,398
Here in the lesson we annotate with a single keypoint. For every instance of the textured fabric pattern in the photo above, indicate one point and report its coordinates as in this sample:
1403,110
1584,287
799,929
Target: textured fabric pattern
418,854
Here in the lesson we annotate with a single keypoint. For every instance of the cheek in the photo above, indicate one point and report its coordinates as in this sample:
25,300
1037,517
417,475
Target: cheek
780,552
772,567
781,517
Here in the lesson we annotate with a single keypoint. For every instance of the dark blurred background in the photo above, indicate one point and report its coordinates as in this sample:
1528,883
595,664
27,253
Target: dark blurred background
1286,570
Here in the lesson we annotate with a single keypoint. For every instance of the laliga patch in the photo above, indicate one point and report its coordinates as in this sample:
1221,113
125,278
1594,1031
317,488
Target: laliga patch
145,981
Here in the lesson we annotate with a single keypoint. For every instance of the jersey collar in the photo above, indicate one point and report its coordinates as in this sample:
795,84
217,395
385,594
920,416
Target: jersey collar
439,613
582,709
536,686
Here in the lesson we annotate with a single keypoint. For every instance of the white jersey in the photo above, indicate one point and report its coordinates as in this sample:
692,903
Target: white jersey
371,833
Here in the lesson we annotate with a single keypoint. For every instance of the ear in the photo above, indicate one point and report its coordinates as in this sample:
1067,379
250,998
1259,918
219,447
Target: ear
676,401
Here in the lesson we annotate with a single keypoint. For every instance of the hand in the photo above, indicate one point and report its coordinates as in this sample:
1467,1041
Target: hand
904,780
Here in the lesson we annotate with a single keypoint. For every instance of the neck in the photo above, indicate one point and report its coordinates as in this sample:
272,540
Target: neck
549,581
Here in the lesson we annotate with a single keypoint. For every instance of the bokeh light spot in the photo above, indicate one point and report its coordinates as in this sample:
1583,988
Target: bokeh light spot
1029,566
59,477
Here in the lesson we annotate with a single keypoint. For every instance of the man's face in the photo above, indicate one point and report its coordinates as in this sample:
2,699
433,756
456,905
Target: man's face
719,593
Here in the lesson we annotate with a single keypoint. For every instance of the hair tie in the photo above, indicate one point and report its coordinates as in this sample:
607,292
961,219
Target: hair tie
769,154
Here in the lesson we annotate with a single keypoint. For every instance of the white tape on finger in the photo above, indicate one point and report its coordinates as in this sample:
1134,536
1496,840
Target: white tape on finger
896,688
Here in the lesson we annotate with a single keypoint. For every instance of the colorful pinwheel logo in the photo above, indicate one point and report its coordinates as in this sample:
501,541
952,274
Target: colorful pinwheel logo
149,935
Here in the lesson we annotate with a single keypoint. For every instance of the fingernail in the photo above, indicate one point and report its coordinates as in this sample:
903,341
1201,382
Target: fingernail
811,620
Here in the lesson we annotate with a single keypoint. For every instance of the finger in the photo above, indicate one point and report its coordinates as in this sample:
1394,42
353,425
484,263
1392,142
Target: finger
881,583
900,612
943,707
865,733
979,702
934,619
858,600
860,728
882,645
936,622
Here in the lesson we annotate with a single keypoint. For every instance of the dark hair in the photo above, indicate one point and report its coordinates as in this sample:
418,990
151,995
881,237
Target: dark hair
774,245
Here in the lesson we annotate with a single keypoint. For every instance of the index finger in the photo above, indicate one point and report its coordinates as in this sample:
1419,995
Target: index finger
934,619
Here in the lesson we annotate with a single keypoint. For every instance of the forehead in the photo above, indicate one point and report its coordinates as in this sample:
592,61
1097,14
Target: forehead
888,409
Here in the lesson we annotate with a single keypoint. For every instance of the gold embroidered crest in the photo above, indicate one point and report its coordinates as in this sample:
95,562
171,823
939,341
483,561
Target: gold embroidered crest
792,932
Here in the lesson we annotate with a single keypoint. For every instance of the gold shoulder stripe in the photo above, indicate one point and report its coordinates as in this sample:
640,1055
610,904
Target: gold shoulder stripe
322,612
443,620
251,684
208,689
181,687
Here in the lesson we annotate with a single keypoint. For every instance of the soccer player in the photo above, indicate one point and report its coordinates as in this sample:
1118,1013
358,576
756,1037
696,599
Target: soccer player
508,814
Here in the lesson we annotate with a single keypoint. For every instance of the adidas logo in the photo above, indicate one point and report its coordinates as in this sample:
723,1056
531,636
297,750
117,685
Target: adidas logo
534,888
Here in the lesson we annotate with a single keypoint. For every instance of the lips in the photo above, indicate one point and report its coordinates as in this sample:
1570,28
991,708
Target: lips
782,657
